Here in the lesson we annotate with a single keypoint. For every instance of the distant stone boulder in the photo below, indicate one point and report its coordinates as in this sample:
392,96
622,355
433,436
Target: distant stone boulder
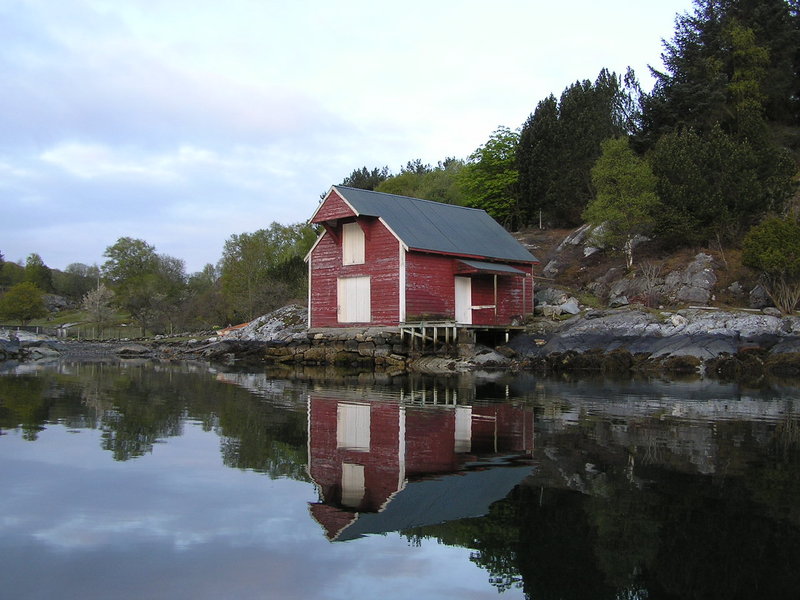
281,325
133,350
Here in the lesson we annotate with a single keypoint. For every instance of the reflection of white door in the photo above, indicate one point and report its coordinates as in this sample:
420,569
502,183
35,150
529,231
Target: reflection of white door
354,300
464,300
353,484
463,437
353,426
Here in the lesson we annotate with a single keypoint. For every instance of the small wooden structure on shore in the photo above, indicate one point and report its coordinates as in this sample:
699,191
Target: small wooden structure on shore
388,260
446,335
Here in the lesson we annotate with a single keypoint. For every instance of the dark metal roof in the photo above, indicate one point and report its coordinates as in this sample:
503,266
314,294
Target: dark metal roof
438,227
486,267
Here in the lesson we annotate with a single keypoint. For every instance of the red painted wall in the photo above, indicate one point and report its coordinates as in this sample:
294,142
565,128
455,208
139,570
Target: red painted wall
430,286
431,291
382,264
333,208
509,298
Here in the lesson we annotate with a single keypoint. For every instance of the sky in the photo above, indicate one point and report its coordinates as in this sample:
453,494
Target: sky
184,122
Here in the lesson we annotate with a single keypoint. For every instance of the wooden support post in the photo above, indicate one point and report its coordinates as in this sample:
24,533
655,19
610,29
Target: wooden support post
495,298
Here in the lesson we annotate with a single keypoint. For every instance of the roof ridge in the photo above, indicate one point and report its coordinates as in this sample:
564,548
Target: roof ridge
347,187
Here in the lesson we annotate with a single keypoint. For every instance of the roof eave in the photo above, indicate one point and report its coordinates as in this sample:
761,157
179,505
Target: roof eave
533,260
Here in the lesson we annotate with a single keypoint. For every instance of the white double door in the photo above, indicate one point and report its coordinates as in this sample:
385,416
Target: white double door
354,301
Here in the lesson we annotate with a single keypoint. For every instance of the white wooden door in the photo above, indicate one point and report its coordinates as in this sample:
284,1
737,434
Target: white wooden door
464,300
354,300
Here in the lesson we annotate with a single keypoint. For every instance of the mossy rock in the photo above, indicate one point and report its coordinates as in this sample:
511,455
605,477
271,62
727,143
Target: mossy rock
785,365
681,364
618,361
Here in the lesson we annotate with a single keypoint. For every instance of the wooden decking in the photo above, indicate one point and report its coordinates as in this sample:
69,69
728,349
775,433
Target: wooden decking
444,335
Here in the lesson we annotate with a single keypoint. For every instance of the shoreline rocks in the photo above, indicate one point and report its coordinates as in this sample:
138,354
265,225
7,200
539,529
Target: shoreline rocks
723,343
614,341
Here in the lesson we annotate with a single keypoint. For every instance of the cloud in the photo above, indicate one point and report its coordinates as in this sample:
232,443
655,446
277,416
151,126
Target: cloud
156,119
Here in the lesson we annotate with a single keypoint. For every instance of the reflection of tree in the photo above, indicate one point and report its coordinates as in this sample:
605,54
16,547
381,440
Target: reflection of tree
536,539
626,537
775,483
137,405
147,407
261,436
28,402
151,404
668,532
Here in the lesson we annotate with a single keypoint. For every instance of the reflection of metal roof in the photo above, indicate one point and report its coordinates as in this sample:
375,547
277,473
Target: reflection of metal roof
438,227
431,501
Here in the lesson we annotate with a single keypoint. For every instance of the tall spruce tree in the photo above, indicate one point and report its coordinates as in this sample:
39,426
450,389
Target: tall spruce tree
720,51
560,142
717,119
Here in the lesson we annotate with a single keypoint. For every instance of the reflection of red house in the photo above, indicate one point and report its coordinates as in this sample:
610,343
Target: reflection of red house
375,461
384,259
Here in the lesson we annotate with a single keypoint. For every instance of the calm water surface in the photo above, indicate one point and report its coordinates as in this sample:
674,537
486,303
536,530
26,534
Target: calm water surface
148,480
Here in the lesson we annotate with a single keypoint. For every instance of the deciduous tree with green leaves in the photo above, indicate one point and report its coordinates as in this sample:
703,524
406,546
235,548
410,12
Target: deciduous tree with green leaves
439,183
773,248
22,302
625,202
146,284
489,179
366,179
260,271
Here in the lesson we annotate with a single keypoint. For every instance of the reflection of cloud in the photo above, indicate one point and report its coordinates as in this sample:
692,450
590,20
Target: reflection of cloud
179,524
85,531
104,503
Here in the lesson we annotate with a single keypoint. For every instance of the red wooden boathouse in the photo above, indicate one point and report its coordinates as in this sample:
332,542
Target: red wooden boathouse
383,259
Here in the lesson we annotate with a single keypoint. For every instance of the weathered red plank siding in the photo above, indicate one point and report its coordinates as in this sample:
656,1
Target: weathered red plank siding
430,286
512,301
333,208
509,298
326,260
382,265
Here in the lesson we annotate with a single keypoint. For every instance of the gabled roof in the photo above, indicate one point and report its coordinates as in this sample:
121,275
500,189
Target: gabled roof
431,501
437,227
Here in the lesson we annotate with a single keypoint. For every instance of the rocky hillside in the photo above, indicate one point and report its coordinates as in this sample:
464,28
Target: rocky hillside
576,273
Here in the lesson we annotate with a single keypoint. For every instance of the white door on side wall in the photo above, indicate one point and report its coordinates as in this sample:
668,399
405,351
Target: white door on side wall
354,300
464,300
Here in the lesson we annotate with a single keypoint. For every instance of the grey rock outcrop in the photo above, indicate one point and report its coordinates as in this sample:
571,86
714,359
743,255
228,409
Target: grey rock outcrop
9,349
284,324
690,332
759,298
693,285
